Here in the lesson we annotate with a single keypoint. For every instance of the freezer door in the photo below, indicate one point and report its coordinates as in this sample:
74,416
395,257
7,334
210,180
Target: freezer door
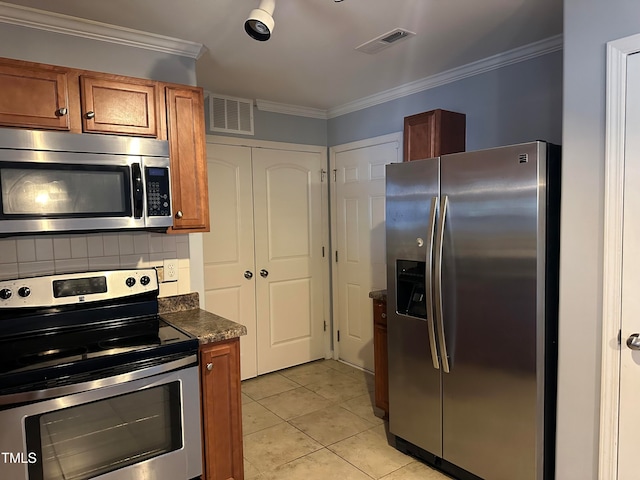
415,410
492,250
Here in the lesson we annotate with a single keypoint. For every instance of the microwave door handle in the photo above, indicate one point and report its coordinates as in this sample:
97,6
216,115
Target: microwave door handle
444,202
429,282
138,193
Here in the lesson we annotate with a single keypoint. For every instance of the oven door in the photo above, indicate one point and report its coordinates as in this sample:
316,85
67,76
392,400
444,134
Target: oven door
143,429
61,191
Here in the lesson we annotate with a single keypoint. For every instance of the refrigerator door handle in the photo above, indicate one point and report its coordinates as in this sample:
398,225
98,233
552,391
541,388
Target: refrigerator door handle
444,202
428,275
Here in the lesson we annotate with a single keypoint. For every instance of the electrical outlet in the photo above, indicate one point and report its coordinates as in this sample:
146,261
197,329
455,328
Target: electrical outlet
171,270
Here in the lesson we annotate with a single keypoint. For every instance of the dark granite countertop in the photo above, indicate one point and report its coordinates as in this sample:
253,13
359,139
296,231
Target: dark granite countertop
183,312
380,295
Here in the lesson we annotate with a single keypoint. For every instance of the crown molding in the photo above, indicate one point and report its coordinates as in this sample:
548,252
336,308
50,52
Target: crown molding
520,54
267,106
79,27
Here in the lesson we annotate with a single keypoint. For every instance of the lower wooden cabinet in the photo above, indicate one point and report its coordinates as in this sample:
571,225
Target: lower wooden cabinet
380,356
221,410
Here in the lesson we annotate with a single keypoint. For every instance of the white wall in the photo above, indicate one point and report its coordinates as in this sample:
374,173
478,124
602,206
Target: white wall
588,25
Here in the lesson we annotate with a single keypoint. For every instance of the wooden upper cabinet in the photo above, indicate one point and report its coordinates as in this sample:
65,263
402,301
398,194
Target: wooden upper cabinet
185,124
48,97
434,133
120,105
34,97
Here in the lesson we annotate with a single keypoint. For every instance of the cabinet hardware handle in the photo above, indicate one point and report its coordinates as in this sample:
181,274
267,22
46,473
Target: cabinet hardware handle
248,275
209,366
90,115
264,273
179,214
384,315
61,112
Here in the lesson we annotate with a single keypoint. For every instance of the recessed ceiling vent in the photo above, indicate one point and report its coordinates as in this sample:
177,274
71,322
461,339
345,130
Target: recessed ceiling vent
230,114
385,41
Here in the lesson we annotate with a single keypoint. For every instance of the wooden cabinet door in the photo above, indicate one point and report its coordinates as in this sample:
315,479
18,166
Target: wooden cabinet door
221,411
34,97
434,133
185,122
117,105
381,356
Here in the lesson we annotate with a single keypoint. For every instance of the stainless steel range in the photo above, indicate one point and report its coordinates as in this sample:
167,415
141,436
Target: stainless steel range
94,383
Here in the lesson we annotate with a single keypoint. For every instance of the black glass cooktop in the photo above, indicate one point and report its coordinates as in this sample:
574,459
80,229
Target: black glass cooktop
40,350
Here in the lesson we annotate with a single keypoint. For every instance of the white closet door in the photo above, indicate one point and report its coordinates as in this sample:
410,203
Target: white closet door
359,222
228,249
288,246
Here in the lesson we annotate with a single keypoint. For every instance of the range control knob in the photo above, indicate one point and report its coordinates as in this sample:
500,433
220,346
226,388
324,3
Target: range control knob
144,280
5,294
24,292
130,282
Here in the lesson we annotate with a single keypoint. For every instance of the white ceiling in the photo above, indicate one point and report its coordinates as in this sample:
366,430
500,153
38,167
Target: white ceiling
310,59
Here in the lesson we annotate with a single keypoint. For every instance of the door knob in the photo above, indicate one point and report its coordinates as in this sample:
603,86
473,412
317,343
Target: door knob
90,115
248,275
633,342
264,273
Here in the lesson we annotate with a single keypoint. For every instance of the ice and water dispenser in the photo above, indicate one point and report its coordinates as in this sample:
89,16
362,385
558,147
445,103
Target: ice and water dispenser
410,288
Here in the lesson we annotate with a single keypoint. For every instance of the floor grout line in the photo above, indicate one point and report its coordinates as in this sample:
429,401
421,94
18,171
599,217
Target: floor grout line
363,382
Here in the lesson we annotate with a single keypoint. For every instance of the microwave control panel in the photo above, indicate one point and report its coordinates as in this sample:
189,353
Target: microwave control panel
158,198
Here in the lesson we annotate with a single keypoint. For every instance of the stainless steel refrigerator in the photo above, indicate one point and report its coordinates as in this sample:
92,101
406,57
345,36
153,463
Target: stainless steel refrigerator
472,298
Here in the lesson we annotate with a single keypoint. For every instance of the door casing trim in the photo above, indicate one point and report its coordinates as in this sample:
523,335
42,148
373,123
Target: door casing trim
618,52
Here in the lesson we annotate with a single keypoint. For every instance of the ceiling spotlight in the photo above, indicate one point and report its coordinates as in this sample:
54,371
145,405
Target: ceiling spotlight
260,23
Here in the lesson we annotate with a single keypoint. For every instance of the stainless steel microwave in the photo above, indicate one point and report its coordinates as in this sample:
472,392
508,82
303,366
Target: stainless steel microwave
64,182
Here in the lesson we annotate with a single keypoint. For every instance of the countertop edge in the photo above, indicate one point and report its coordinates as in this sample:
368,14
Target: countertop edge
380,295
206,326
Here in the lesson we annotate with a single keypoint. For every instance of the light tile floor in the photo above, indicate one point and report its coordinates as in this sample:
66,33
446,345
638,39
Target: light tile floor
317,421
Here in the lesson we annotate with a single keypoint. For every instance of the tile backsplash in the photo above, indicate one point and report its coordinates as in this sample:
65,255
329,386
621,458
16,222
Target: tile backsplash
42,255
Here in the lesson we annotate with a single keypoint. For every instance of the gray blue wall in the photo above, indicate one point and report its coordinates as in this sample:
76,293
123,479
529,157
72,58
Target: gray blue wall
588,26
277,127
517,103
69,51
513,104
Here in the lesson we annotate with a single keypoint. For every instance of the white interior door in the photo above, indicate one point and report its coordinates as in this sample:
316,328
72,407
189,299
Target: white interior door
360,241
289,265
629,417
228,249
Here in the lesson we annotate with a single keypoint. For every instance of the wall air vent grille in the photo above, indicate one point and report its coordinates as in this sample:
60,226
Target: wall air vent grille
385,41
230,114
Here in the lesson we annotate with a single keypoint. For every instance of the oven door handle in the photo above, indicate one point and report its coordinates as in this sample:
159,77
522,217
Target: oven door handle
38,395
